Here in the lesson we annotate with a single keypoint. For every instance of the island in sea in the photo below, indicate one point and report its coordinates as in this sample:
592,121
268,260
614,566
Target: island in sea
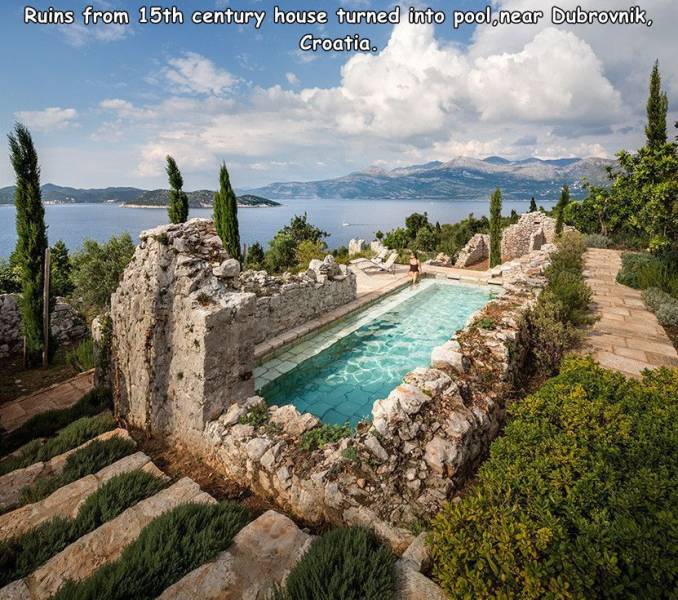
197,199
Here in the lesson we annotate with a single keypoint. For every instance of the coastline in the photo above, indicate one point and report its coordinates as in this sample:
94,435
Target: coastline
201,206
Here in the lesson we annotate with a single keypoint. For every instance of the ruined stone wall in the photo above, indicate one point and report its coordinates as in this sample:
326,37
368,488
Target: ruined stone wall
529,234
66,325
477,249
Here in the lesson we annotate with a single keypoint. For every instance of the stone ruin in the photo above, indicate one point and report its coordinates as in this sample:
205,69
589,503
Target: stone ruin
185,322
66,324
476,250
355,247
530,233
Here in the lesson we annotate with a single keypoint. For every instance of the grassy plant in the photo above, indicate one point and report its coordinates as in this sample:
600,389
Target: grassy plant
486,323
325,434
90,459
577,498
83,356
69,437
49,422
21,555
596,240
169,547
351,454
256,416
346,564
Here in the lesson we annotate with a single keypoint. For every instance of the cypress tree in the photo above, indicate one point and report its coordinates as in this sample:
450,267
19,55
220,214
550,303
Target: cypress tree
495,228
32,238
226,215
560,208
177,209
533,205
657,108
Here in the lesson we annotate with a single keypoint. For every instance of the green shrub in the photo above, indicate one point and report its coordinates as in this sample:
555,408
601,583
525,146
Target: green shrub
69,437
343,564
643,271
597,240
257,416
90,459
47,423
667,314
82,357
21,555
569,291
170,546
578,497
654,298
324,434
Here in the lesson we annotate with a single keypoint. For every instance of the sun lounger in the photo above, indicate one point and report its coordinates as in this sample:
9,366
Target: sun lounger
388,266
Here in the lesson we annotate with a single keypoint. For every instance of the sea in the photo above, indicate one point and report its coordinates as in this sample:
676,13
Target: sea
343,219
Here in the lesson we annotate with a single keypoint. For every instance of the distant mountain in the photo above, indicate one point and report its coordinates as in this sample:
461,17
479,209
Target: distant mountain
461,178
55,194
197,199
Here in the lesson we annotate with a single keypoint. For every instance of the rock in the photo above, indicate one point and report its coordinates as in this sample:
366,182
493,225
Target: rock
403,401
530,233
476,250
229,269
257,447
417,554
292,421
449,356
412,585
355,247
373,445
440,455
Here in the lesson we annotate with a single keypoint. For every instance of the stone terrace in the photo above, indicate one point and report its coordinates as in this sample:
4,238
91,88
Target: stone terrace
627,337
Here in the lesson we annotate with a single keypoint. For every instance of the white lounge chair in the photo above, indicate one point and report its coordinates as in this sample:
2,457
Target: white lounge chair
388,266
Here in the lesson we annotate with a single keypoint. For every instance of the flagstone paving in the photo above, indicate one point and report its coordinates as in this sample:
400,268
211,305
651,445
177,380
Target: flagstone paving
61,395
627,337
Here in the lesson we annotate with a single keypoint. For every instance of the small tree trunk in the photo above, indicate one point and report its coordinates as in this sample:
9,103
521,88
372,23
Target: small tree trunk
45,311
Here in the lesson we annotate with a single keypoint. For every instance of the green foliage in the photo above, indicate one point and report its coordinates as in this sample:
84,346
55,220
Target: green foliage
533,205
397,239
351,454
454,236
226,215
78,432
257,416
60,275
10,277
563,201
426,240
657,107
85,461
97,270
281,254
414,223
82,357
21,555
47,423
104,350
663,305
379,235
32,239
255,257
307,251
495,228
597,240
486,323
346,564
301,230
578,497
177,209
642,271
170,546
324,434
667,314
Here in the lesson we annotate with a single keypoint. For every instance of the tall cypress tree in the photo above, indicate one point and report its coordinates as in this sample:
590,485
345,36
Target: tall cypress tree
657,108
226,215
177,209
32,238
495,228
533,205
560,208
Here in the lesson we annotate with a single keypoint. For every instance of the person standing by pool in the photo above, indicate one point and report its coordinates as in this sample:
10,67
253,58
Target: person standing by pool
415,268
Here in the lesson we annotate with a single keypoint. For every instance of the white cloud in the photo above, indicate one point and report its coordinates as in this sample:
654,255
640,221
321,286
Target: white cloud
78,35
292,79
195,74
48,119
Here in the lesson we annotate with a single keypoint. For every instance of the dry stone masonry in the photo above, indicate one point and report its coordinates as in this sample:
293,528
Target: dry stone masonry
530,233
476,250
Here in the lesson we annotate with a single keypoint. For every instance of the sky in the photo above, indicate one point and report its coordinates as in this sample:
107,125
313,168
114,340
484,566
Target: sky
106,104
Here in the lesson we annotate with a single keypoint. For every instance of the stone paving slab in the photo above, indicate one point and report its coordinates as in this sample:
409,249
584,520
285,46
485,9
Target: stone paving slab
627,336
60,395
103,545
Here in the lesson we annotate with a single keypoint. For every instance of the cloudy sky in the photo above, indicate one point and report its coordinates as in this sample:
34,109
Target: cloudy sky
106,104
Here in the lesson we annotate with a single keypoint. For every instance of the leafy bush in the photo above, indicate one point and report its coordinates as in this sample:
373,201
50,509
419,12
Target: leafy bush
170,546
255,257
90,459
667,314
597,240
60,276
654,298
256,416
47,423
570,297
83,356
21,555
69,437
325,434
10,280
642,271
307,251
578,497
346,564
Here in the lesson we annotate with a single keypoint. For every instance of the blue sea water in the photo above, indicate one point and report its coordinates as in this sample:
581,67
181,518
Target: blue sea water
342,219
341,383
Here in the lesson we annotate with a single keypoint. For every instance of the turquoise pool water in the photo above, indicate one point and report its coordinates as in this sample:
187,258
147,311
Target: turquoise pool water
340,383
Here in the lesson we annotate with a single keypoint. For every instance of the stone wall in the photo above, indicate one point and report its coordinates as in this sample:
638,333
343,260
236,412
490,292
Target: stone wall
355,247
529,234
66,325
477,250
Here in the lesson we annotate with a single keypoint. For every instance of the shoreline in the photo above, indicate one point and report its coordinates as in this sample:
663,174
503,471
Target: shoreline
200,207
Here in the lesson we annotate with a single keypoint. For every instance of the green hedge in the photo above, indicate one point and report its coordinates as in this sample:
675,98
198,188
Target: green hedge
643,270
578,498
90,459
69,437
48,423
23,554
170,546
343,564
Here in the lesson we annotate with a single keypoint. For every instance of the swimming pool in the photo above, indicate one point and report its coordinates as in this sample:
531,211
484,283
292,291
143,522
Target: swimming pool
338,373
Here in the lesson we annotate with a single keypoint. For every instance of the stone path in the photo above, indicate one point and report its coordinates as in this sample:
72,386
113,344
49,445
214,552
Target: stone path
627,337
61,395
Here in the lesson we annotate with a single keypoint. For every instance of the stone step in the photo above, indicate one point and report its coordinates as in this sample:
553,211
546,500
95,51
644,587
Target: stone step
103,545
12,483
66,501
261,555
